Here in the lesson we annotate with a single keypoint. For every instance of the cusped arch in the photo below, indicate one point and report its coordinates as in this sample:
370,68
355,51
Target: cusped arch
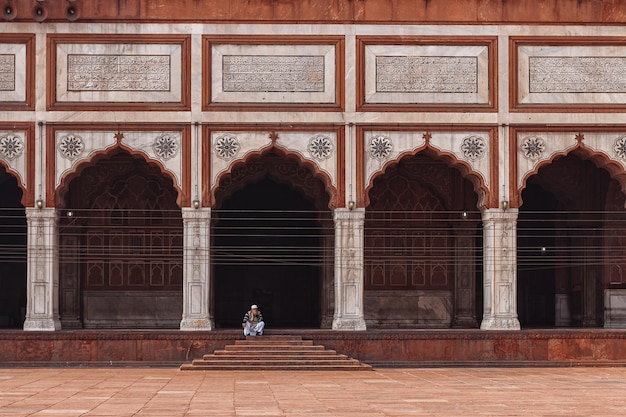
25,200
259,155
600,160
105,154
477,181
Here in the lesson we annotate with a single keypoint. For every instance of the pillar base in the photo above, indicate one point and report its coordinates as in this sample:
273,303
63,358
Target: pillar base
197,324
349,324
464,323
500,323
39,325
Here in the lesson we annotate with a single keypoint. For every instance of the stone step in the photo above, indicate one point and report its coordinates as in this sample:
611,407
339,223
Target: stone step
269,347
322,354
233,367
272,362
253,342
274,337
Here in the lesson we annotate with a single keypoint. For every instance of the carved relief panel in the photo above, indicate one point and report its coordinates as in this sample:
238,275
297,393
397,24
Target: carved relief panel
17,71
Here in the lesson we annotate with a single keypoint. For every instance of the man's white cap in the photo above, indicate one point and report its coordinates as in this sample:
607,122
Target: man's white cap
254,306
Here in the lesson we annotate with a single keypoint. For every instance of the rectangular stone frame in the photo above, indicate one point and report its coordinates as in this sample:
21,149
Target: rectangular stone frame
27,39
519,84
208,41
436,106
184,41
51,149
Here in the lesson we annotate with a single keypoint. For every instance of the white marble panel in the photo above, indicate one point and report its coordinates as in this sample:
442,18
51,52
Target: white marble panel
426,74
400,143
612,144
244,143
300,142
536,147
119,72
13,151
471,147
571,74
12,72
272,73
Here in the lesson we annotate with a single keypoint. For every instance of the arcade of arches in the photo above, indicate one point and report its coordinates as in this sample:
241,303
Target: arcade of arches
276,240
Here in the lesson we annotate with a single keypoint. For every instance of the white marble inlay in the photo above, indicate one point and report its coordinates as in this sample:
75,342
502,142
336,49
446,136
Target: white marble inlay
258,73
7,72
13,72
426,74
581,74
272,73
13,152
571,74
118,72
421,74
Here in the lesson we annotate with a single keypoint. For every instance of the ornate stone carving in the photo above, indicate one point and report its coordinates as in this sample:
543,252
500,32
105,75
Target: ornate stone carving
580,74
269,73
7,72
426,74
227,146
118,73
71,146
380,147
473,147
620,147
321,147
533,147
11,146
166,146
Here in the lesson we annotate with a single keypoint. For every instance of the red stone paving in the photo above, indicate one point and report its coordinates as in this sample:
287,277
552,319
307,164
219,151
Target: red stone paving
383,392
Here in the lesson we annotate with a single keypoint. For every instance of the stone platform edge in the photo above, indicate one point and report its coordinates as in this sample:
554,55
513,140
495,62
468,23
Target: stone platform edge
398,348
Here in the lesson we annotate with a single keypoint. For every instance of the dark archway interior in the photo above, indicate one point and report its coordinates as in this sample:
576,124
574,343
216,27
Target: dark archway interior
267,250
121,247
12,253
560,253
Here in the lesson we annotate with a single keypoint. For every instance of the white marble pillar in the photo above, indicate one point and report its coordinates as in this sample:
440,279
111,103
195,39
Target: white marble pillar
196,269
500,270
349,253
42,305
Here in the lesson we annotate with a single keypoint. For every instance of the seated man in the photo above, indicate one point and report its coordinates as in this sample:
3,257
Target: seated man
253,323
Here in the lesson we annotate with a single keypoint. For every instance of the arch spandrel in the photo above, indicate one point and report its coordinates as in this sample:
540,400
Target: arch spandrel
71,158
16,158
266,162
436,144
599,147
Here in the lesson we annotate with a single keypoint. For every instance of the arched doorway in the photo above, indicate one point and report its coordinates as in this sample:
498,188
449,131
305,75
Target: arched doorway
272,244
12,252
561,255
121,247
421,258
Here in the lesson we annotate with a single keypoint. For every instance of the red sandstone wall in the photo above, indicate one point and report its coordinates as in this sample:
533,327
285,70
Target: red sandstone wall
340,11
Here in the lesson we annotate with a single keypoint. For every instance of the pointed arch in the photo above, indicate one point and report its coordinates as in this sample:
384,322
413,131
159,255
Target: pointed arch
466,171
258,155
94,158
599,159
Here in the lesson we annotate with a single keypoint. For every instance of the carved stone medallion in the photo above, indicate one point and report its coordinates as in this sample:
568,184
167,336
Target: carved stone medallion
227,146
71,146
473,147
320,147
11,146
380,147
533,147
166,146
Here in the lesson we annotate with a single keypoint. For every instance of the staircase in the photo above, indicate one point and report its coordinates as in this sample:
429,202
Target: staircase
275,353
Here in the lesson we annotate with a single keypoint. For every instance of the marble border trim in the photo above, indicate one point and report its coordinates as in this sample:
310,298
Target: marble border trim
25,180
53,193
435,106
209,41
602,160
491,192
208,188
27,39
181,41
521,99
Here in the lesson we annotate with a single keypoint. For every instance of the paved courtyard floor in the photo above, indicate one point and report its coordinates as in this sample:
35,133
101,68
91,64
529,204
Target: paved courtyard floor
384,392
